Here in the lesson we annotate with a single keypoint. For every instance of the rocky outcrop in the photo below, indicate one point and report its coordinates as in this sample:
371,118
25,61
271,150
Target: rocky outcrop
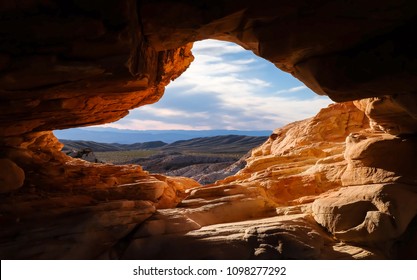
379,158
75,63
378,203
85,154
211,175
69,208
204,173
265,211
368,214
290,236
303,158
393,114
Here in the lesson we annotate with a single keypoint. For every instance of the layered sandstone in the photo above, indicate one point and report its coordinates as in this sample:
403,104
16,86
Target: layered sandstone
270,209
303,158
75,63
69,208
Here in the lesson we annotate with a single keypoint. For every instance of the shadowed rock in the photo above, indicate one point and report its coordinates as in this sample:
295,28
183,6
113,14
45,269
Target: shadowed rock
77,63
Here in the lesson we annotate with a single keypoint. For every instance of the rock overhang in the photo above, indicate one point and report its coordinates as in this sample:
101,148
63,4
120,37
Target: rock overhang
77,63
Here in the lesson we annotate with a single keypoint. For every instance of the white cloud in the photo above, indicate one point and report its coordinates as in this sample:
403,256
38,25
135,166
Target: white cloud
243,97
216,47
293,89
167,113
153,125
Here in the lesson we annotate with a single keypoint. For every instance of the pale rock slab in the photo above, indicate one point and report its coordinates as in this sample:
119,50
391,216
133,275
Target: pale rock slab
393,114
380,158
367,214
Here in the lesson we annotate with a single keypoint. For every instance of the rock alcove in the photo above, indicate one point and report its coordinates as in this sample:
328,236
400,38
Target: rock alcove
339,185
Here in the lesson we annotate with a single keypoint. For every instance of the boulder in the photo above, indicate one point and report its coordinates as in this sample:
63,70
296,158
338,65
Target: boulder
367,214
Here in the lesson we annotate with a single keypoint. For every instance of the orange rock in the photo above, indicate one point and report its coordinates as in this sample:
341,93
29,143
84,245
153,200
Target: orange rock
47,169
11,176
392,114
81,63
303,158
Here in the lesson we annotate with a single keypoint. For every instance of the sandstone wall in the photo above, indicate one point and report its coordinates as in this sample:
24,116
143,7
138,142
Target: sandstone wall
76,63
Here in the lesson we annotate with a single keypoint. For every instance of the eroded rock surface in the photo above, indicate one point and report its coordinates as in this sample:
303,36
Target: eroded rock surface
368,213
249,215
72,209
303,158
394,114
280,237
75,63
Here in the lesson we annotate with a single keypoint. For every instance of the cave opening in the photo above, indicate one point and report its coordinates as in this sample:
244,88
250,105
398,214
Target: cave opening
228,95
83,63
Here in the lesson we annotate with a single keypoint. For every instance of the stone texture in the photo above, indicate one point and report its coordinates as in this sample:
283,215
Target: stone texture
247,216
73,209
76,63
303,158
380,158
11,176
48,169
85,154
368,214
66,227
282,237
394,114
378,205
334,47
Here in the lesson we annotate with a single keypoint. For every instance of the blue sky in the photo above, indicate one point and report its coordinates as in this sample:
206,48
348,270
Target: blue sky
227,87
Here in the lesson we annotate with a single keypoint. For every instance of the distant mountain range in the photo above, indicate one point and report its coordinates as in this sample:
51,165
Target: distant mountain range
109,147
217,144
124,136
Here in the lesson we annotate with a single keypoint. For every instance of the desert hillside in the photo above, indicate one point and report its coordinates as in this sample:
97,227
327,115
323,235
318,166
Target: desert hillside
204,159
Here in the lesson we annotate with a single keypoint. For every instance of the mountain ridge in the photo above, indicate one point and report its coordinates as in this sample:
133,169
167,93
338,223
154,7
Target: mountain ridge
112,135
214,144
109,147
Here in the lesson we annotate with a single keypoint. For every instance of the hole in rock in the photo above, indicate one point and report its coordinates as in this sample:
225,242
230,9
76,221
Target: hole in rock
227,102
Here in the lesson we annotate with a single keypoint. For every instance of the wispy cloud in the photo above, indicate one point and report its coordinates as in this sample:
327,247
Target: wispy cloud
293,89
153,125
170,113
227,87
217,48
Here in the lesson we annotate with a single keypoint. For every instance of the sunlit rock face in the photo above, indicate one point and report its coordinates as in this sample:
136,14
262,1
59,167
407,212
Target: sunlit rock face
298,179
347,174
303,158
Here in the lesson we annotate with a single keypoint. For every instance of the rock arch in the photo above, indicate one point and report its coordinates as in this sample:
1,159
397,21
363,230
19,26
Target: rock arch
74,63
